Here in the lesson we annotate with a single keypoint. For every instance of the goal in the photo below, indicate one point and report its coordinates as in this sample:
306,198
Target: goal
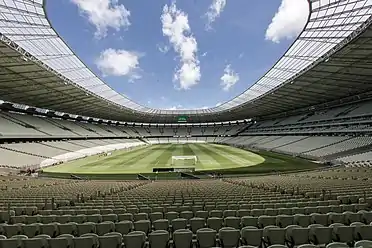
184,160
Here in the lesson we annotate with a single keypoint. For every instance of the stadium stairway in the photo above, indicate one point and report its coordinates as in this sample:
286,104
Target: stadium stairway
269,140
143,177
348,153
77,144
289,143
242,130
56,147
321,147
14,120
61,126
144,140
87,128
23,152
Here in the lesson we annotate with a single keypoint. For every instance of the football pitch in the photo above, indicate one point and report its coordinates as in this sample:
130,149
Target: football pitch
144,159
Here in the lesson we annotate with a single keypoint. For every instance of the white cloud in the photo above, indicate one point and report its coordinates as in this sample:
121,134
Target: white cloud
204,54
163,49
119,63
229,78
214,11
176,107
104,14
176,27
134,77
288,21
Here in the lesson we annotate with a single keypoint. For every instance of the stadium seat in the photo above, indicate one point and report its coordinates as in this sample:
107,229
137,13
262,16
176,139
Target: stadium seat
232,222
105,227
85,241
142,225
159,239
60,242
196,224
161,224
110,240
35,243
215,223
229,237
182,238
206,237
251,236
135,239
87,227
363,244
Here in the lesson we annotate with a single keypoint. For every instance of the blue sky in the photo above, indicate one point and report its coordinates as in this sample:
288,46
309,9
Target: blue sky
181,54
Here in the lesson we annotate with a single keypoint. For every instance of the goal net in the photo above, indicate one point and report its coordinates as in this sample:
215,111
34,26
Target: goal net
184,160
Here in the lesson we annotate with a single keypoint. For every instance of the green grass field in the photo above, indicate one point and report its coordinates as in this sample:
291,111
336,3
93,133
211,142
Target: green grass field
211,157
143,160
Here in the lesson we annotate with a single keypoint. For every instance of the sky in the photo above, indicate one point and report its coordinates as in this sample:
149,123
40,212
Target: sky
181,54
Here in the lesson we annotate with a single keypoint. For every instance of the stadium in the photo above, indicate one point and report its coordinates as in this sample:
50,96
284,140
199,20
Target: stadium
287,163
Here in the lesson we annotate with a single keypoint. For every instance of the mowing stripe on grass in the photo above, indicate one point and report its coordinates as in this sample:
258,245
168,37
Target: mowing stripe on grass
177,152
125,160
204,160
187,151
114,157
162,159
221,161
240,156
145,162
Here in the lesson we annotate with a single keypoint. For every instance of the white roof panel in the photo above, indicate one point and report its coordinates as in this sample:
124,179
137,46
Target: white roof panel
330,22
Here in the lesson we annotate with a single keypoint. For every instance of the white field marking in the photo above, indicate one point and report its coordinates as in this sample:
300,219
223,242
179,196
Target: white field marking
206,161
136,167
238,161
140,166
235,159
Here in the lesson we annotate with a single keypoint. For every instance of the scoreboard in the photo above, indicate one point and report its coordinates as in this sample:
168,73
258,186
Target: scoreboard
183,119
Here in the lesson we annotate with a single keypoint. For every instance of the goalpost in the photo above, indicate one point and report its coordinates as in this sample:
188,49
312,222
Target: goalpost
184,160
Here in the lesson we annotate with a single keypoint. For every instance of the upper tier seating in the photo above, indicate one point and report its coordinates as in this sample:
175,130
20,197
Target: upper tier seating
341,133
309,144
348,144
10,128
21,125
366,156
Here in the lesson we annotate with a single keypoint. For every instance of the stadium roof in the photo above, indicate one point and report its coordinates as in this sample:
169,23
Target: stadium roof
330,59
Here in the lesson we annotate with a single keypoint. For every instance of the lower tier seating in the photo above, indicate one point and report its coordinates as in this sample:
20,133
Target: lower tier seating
323,208
32,154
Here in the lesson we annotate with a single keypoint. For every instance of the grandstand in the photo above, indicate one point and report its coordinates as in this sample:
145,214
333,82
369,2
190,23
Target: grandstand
286,164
